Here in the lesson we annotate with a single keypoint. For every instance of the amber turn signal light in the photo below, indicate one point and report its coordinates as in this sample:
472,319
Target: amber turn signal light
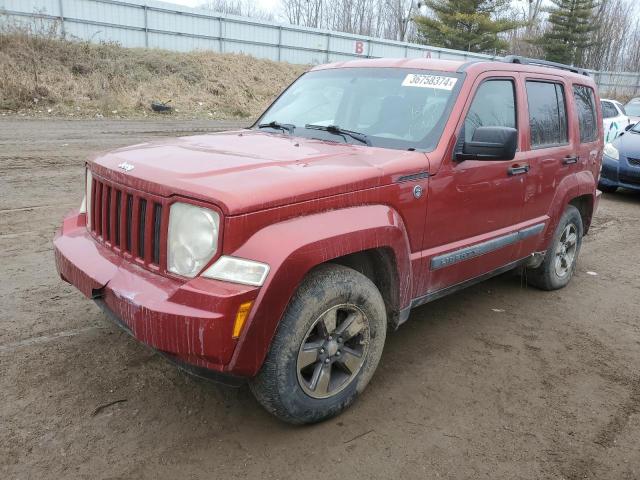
241,317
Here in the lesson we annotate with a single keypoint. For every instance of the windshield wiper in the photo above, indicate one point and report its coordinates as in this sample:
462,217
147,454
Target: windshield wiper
361,137
285,127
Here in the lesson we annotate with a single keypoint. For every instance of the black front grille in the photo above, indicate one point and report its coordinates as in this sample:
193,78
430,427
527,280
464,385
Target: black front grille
108,213
634,161
118,216
157,222
127,221
142,215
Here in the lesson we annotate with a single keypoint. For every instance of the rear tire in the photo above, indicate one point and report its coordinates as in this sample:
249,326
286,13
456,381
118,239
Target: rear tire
560,261
326,348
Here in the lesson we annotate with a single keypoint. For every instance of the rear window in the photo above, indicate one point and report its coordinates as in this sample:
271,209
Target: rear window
608,110
632,108
586,106
547,114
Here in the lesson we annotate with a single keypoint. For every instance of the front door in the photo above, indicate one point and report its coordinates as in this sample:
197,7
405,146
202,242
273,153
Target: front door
475,205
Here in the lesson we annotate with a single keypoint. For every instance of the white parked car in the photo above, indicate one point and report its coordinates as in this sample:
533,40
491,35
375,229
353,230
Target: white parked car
632,109
614,119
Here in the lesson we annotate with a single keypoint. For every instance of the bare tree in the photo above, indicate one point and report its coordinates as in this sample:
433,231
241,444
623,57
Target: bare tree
308,13
243,8
389,19
612,40
532,26
631,55
398,16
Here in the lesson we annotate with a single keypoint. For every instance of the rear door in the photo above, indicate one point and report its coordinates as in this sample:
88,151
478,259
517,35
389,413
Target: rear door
551,150
475,205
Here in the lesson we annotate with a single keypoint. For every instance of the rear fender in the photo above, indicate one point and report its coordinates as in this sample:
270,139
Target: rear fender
571,186
293,247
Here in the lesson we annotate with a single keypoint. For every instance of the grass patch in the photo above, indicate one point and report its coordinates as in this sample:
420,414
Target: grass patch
41,73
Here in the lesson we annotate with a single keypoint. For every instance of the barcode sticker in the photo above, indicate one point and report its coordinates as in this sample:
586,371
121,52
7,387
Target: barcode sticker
429,81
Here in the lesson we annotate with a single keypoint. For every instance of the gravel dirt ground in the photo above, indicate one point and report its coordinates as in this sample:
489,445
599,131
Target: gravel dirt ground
499,381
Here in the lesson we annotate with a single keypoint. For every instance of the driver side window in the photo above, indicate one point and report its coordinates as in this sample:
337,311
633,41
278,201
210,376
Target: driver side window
494,105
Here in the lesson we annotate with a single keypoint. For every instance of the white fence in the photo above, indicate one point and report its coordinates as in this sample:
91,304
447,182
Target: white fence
153,24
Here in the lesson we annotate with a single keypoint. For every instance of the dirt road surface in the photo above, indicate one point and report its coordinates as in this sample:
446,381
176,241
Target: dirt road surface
500,381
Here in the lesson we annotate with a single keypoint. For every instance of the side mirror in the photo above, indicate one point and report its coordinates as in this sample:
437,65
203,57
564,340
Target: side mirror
490,143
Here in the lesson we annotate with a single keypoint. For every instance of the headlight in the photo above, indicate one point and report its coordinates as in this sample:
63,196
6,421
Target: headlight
611,152
85,207
238,270
193,238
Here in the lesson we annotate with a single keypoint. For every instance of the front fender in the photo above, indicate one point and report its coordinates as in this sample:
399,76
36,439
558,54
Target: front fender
292,248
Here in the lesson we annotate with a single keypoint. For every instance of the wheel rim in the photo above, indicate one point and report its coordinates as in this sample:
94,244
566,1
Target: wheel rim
333,351
566,250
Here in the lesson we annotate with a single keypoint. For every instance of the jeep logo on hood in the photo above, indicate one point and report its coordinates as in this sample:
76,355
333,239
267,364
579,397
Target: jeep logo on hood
127,167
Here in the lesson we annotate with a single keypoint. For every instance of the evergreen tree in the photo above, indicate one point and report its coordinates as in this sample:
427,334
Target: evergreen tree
471,25
570,32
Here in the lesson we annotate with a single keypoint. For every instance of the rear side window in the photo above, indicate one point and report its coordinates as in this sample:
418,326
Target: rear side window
494,105
547,114
586,106
608,110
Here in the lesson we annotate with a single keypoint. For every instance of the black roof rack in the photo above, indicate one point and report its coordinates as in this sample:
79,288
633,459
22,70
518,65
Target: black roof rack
543,63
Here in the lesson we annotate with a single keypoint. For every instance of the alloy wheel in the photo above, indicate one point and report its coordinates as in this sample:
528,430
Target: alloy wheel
566,250
333,351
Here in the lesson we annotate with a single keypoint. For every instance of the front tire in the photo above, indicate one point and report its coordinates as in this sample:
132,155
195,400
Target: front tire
326,348
559,263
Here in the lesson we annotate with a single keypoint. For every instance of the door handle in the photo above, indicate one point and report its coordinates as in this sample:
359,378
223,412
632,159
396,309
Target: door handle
568,160
518,169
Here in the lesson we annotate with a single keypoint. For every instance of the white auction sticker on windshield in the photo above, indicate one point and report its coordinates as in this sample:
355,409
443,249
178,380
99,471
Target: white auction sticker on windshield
429,81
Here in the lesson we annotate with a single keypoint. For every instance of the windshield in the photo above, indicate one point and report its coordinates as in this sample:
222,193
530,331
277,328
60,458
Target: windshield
393,107
632,109
636,128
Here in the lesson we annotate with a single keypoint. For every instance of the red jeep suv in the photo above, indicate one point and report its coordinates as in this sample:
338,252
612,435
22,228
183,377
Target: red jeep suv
283,253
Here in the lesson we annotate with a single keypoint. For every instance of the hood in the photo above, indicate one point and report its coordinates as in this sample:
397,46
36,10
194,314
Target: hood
248,170
628,144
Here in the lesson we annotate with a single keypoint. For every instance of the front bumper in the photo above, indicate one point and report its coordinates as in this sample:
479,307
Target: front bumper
191,322
619,173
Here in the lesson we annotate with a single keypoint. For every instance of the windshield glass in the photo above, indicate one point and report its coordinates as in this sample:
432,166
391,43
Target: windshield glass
632,109
393,107
636,128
